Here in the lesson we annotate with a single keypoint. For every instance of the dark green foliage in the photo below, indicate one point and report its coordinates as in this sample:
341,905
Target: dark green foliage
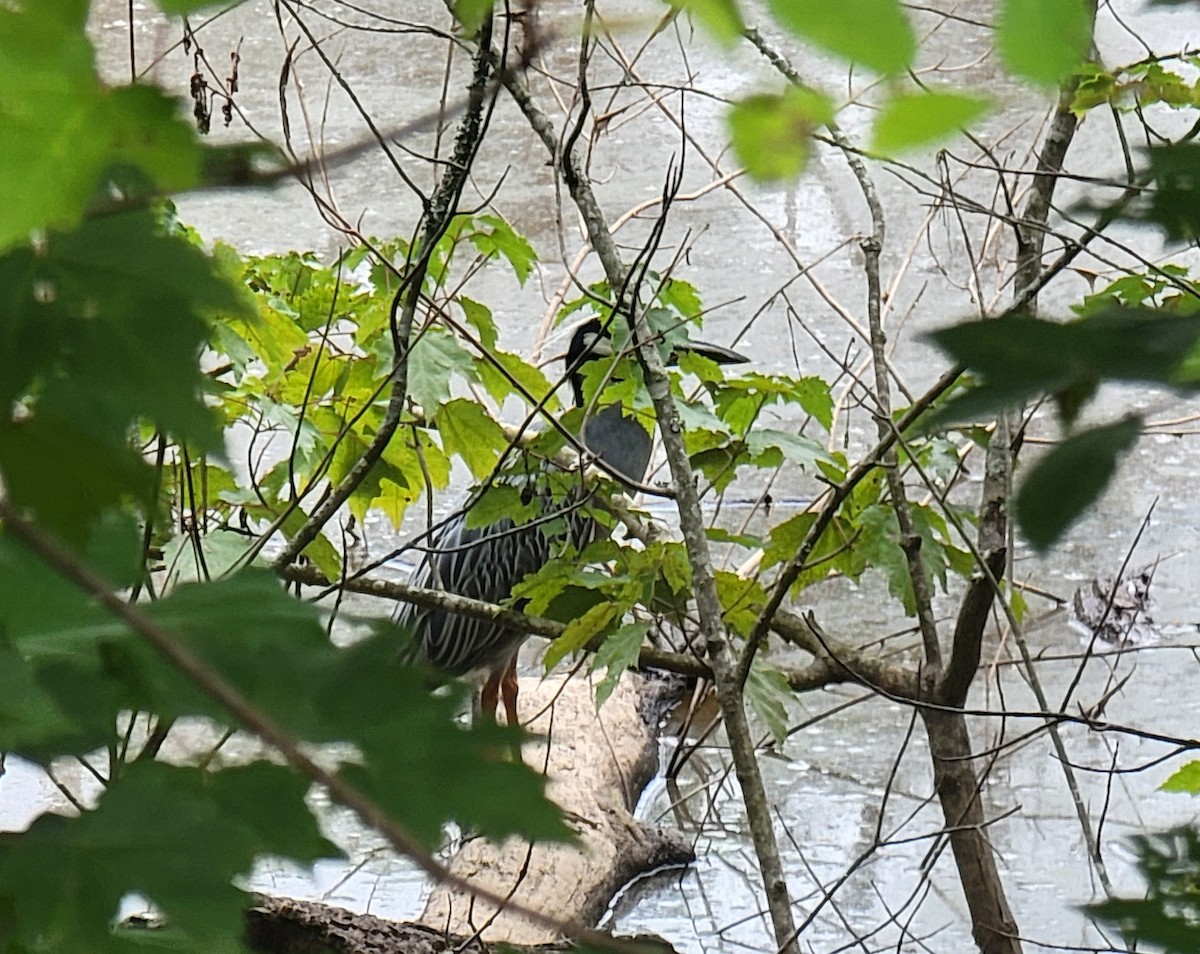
1168,917
76,312
177,836
1175,200
1019,358
1068,480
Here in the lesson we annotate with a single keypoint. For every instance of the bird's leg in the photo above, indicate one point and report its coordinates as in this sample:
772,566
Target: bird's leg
487,696
508,690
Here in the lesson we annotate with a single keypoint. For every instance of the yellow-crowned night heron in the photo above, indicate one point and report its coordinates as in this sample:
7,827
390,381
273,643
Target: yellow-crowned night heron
485,563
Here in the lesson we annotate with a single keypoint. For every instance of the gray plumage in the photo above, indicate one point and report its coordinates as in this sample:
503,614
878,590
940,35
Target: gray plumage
485,563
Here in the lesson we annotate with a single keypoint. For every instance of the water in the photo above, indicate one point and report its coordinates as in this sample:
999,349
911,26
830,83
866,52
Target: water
851,789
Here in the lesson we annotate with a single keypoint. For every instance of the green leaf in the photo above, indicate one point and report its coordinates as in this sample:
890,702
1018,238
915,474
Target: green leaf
875,33
321,550
794,447
533,382
923,119
393,500
271,336
676,570
51,151
503,502
770,132
741,600
1068,479
418,762
814,396
1019,357
721,535
768,693
579,632
175,835
434,360
502,239
192,557
1094,86
1175,202
618,652
879,543
415,759
135,285
472,13
480,317
31,720
469,432
721,18
149,133
39,460
1168,916
1044,40
1185,779
63,130
682,297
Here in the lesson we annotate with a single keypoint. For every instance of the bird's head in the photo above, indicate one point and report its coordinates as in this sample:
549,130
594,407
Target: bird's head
592,341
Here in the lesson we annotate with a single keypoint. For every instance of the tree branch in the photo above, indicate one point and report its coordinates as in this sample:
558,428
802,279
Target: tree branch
260,723
438,215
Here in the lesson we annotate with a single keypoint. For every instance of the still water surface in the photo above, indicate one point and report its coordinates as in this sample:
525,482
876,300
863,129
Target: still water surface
783,263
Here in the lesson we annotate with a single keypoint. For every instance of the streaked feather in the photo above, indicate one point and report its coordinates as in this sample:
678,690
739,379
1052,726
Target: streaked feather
483,563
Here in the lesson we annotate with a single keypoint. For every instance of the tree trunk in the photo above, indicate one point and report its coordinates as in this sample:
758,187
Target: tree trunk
598,764
957,787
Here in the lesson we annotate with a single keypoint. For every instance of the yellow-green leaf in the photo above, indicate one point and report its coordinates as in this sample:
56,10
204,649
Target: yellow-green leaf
579,632
770,132
393,500
470,433
875,33
1044,40
721,18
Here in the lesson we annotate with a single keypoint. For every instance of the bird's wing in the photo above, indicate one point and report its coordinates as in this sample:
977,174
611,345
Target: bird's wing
482,563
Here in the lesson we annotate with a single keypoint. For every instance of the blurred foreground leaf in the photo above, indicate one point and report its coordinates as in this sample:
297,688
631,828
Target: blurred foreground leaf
1020,357
1168,917
923,119
176,836
415,759
1064,483
875,33
770,132
1044,40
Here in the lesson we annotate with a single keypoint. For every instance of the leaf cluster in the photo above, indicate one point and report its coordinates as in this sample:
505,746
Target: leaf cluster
1168,917
128,352
1019,358
1040,41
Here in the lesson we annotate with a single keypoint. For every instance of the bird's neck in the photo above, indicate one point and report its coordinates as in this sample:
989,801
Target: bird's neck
621,442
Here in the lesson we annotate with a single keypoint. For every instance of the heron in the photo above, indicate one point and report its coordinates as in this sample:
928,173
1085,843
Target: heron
485,563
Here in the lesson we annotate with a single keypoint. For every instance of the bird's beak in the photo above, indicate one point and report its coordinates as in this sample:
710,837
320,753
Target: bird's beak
713,352
598,346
